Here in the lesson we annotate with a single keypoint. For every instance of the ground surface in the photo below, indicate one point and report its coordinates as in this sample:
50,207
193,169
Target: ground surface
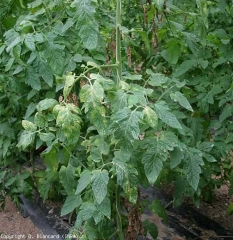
217,209
14,226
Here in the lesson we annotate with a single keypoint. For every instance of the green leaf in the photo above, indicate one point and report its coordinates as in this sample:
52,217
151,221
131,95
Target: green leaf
226,112
98,118
157,79
99,184
67,178
87,211
46,137
173,51
40,120
2,175
150,117
84,181
184,67
95,155
26,139
182,100
29,126
46,73
33,79
157,152
153,164
192,167
55,56
30,110
119,161
89,36
157,208
30,42
125,124
151,228
159,4
230,209
133,77
204,63
15,42
71,203
119,100
46,104
175,157
209,158
51,158
166,116
103,209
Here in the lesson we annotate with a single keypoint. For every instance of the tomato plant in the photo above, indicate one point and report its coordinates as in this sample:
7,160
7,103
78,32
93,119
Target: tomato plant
115,102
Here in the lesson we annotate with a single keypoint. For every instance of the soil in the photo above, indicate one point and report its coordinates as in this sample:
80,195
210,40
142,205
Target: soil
217,209
14,226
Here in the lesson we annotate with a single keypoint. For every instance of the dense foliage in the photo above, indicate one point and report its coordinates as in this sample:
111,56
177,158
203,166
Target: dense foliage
114,97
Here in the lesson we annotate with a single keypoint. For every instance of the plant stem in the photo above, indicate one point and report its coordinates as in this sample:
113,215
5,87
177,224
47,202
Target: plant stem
119,222
118,42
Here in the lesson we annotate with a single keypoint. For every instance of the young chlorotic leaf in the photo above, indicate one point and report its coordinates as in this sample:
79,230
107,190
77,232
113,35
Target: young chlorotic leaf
182,100
166,116
99,184
92,96
69,122
120,167
46,104
40,120
67,178
84,181
98,119
150,117
157,79
26,138
69,82
46,137
29,126
71,203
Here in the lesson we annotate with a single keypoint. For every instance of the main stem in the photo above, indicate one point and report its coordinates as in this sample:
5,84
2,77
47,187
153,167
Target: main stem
118,214
119,77
118,42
